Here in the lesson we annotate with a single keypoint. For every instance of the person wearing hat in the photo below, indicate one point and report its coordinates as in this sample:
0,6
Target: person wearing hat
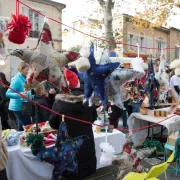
72,105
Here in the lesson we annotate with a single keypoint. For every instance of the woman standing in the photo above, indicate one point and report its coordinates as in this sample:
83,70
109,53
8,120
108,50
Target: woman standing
3,102
17,83
3,158
72,105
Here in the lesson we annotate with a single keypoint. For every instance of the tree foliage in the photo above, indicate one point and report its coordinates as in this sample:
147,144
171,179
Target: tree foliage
76,48
156,13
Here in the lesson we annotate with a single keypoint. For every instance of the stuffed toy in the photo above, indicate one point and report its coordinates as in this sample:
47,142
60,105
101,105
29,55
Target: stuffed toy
151,85
13,138
46,63
176,66
130,160
107,154
119,76
163,81
94,77
63,154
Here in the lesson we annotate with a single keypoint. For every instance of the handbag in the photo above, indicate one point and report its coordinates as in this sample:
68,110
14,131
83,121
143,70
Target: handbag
27,106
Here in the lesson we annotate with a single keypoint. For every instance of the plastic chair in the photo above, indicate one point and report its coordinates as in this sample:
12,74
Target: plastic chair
172,148
154,172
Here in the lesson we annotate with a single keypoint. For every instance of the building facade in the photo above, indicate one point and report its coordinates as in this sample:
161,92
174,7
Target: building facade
48,8
151,38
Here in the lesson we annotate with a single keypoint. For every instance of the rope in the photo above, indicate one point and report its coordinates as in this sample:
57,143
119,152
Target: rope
83,121
101,39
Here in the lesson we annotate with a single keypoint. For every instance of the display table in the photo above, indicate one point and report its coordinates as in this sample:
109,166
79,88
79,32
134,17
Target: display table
23,166
137,120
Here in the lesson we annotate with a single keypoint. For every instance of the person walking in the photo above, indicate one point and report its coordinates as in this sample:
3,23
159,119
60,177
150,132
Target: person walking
17,84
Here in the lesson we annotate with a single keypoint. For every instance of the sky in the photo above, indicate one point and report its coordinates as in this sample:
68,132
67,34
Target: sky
77,9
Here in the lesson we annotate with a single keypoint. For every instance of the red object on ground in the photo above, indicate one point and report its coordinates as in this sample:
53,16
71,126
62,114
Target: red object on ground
19,28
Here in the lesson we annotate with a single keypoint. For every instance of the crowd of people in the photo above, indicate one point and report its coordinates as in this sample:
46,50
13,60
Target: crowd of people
15,107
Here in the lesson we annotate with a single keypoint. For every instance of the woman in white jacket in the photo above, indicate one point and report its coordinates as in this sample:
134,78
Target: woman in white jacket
3,158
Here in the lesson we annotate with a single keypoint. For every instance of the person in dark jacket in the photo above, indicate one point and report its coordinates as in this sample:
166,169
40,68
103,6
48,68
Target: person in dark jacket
40,96
72,105
114,115
52,91
4,102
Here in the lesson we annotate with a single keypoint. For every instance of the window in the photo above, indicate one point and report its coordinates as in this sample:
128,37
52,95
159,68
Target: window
142,41
131,39
160,45
37,21
177,49
149,45
75,27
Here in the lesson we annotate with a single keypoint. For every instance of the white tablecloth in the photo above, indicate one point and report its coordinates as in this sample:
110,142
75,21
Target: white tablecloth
137,120
22,166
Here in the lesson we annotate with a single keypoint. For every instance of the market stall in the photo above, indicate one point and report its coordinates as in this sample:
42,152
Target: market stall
137,120
22,165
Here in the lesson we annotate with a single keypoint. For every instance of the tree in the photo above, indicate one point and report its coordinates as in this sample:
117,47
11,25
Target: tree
76,48
156,13
106,8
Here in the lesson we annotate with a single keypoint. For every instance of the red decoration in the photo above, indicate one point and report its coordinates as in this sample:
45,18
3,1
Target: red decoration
31,78
127,148
19,28
46,35
72,56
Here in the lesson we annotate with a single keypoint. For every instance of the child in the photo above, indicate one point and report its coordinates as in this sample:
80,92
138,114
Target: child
40,96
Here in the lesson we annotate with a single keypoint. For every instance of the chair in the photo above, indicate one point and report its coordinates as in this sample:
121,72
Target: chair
154,172
172,148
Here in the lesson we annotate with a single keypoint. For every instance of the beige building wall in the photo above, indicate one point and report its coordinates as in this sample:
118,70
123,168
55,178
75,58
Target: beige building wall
174,39
8,7
171,38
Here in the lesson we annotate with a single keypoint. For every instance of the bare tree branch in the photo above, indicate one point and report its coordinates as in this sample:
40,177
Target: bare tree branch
101,2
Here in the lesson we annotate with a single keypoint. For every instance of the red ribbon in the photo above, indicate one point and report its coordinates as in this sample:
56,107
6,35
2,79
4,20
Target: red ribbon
17,7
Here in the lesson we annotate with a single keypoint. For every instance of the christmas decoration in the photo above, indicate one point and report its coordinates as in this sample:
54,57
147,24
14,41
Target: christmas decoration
63,154
95,76
36,142
152,144
19,27
119,76
151,85
46,63
72,79
130,160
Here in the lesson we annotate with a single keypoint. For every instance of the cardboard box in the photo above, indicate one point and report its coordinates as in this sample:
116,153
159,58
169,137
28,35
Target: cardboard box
172,138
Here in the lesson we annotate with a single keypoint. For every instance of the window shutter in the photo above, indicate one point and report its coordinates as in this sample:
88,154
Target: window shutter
134,41
177,52
25,11
149,44
128,41
41,20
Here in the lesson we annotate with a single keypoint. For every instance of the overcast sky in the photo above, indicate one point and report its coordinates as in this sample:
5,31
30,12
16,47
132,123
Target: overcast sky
76,9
